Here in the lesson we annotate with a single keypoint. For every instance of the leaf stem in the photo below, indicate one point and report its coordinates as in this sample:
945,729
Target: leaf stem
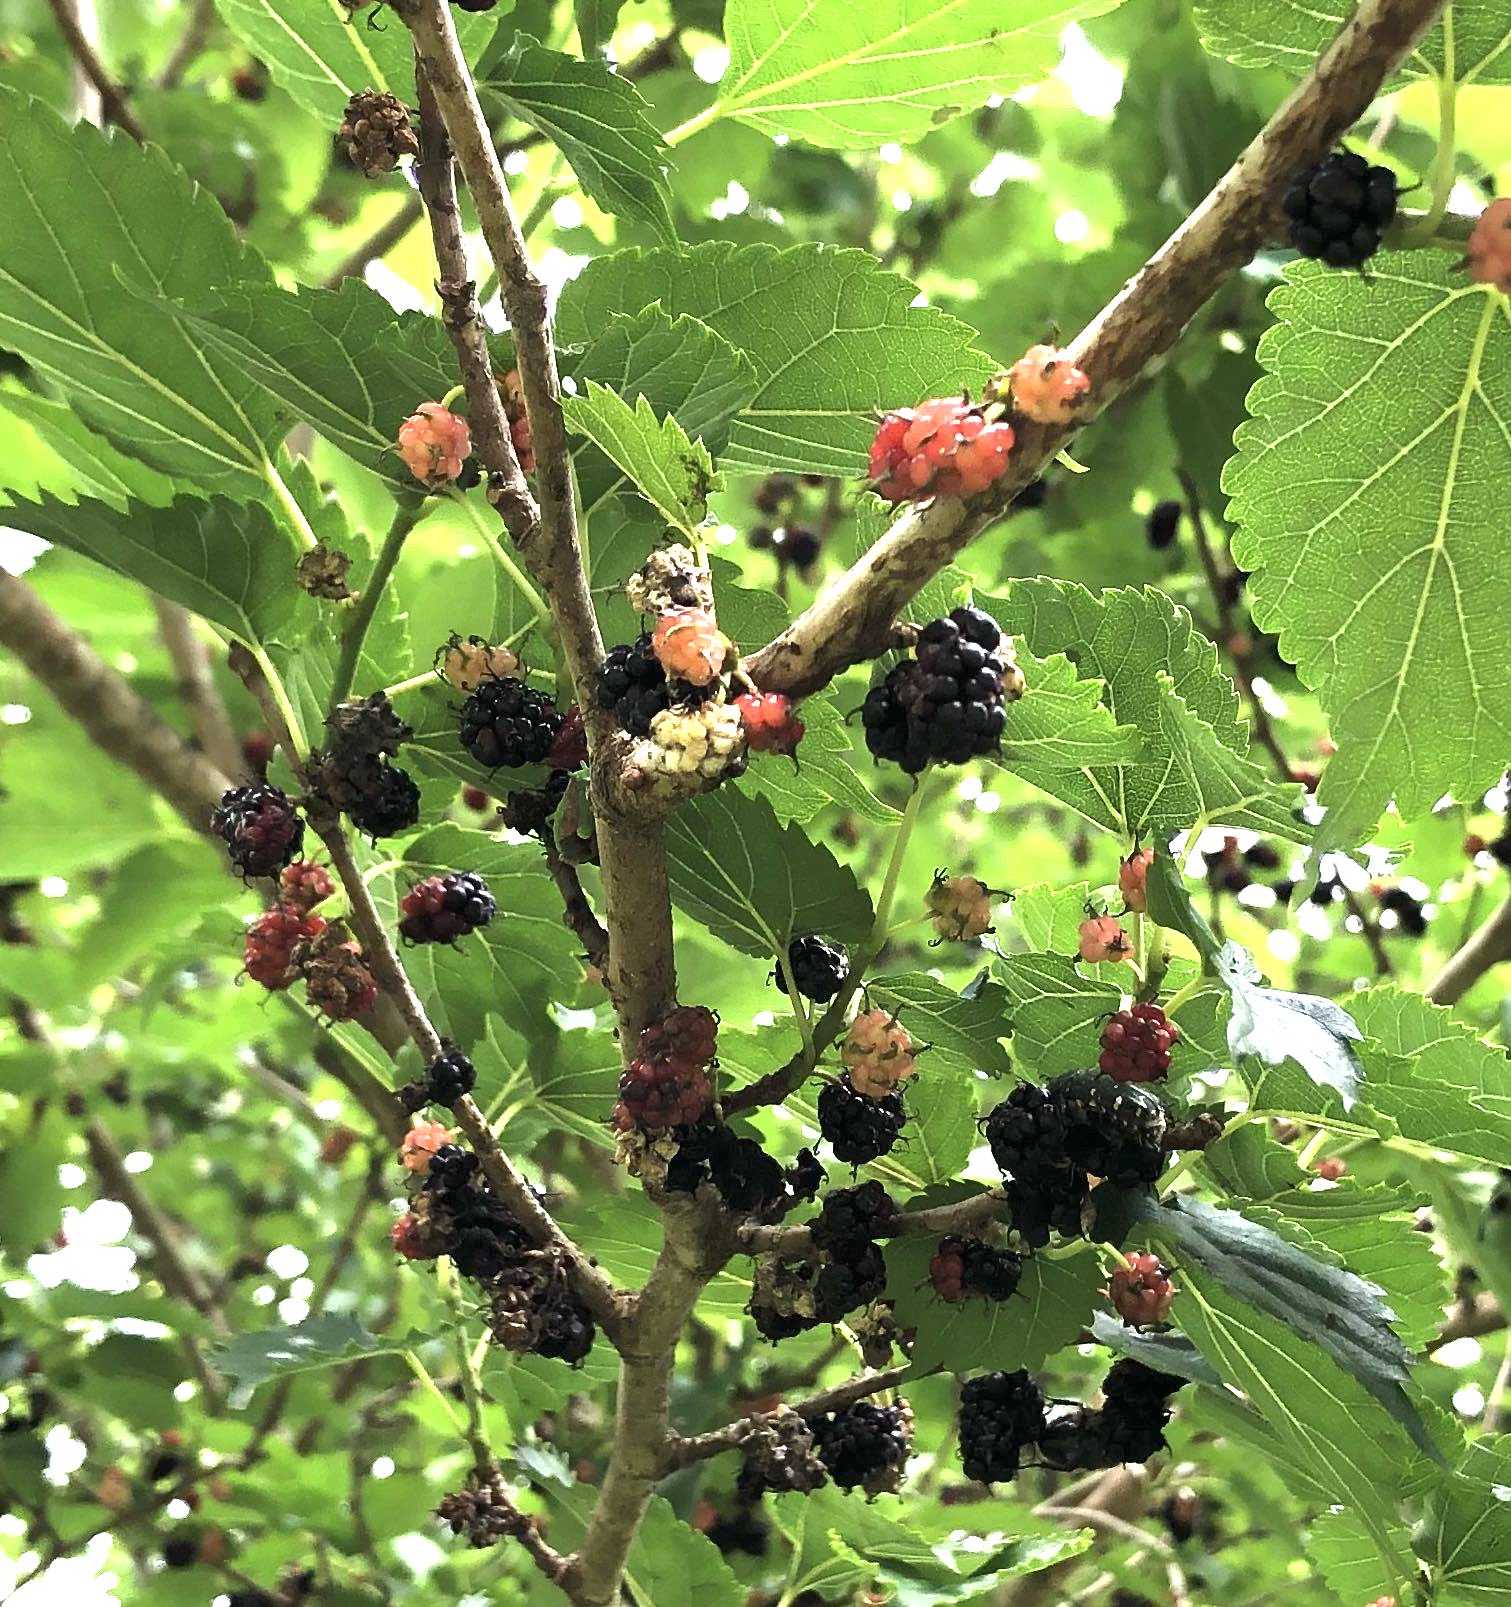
290,505
406,516
505,562
794,998
882,925
280,695
472,1387
1443,159
421,1372
694,124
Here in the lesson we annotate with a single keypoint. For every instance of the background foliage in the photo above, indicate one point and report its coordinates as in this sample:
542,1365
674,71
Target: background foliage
772,221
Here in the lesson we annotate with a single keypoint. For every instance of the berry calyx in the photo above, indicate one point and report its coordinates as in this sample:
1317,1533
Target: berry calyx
688,644
1136,1044
1047,387
657,1094
1133,879
271,941
960,908
818,968
1339,209
1099,938
1000,1415
1489,250
448,1077
420,1145
948,703
305,884
377,132
878,1053
771,725
465,662
858,1128
505,722
948,447
434,441
260,828
442,909
1141,1292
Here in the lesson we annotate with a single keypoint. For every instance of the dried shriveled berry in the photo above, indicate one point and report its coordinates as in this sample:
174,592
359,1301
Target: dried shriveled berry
337,980
670,579
377,132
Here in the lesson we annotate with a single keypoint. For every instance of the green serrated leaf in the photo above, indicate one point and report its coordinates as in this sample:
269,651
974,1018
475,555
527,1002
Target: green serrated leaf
1061,723
850,77
755,883
965,1029
1165,1352
597,120
1162,679
1056,1012
1373,531
826,774
671,471
254,1358
832,336
133,373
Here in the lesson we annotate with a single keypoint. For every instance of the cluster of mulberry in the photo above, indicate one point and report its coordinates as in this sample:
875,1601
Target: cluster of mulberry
947,704
746,1178
878,1053
434,443
846,1271
531,1301
352,772
465,662
338,981
859,1127
1136,1044
506,722
260,827
959,908
818,968
1004,1414
865,1446
442,909
948,447
1049,1142
668,1084
271,941
1339,209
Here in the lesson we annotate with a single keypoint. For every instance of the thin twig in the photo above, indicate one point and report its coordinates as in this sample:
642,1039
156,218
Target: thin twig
577,912
190,46
114,107
1488,947
197,688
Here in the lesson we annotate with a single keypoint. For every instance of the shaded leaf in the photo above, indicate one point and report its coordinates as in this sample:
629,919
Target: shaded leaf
671,471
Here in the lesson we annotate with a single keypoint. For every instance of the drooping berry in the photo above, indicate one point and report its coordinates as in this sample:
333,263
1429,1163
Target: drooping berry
1133,879
1136,1044
771,726
570,749
852,1216
1075,1440
818,968
260,828
1339,209
632,686
1141,1292
305,884
948,704
322,572
960,908
1100,937
859,1129
1111,1129
1000,1415
690,646
442,909
961,1267
805,1177
778,1455
746,1177
434,441
865,1446
878,1053
420,1145
505,722
1163,525
271,941
690,1032
849,1279
377,132
658,1094
671,578
1489,249
465,662
511,390
947,447
387,803
337,979
450,1075
1047,387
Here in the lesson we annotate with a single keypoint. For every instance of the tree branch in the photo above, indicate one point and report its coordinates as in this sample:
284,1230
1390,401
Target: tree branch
577,911
190,46
850,620
196,686
1484,949
684,1451
114,107
119,721
961,1216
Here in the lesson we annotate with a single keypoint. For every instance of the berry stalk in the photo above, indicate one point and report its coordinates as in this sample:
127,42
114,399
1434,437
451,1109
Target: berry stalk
406,516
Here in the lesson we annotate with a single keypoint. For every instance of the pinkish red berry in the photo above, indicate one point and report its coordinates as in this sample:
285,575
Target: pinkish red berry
305,884
1047,386
271,941
1141,1292
947,1270
476,798
420,1143
946,447
1136,1044
1101,938
657,1094
1133,879
689,645
511,389
570,749
434,442
1489,249
409,1238
1332,1167
338,1144
688,1033
771,724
